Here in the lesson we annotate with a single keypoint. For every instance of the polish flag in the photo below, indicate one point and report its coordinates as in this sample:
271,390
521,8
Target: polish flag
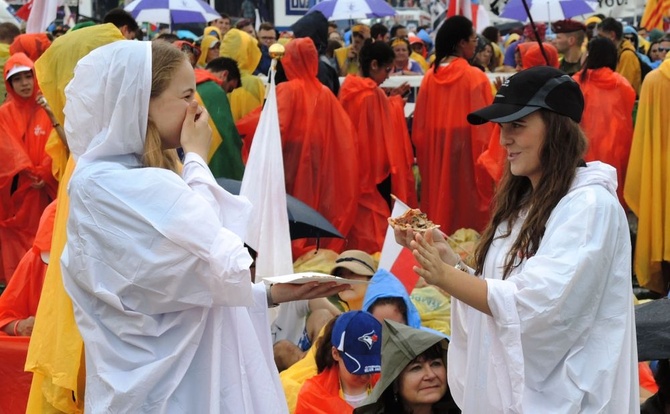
395,258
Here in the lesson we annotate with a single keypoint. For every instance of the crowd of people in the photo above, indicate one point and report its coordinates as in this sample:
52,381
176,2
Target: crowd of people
111,216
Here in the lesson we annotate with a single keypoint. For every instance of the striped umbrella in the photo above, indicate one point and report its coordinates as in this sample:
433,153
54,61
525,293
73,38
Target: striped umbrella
353,9
172,11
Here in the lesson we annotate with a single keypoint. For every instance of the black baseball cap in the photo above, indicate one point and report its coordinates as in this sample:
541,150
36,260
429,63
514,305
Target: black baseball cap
530,90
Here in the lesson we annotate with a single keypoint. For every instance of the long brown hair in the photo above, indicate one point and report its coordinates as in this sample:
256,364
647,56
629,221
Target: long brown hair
165,59
561,154
324,355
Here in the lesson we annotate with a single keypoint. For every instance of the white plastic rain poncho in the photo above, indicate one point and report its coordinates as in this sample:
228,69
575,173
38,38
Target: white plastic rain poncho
155,264
562,335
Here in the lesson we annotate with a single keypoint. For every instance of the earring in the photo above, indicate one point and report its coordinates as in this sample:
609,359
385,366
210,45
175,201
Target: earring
395,396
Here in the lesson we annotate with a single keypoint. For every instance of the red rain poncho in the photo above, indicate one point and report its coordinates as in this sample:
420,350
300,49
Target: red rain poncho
321,166
608,119
20,299
453,193
25,128
384,149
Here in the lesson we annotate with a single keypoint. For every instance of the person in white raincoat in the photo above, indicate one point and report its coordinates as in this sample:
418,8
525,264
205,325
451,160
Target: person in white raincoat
545,321
154,263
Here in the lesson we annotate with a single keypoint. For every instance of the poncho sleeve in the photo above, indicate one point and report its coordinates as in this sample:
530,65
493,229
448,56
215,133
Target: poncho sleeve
141,239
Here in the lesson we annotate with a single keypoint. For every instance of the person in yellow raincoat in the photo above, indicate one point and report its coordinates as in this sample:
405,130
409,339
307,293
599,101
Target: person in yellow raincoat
244,49
55,354
647,180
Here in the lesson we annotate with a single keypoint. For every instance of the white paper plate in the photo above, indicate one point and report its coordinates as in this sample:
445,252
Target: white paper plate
306,277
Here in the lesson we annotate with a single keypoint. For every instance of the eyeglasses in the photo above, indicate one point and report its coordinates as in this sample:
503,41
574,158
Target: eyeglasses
186,47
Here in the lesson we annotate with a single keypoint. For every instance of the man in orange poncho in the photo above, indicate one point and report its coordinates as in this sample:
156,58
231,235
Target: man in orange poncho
531,55
26,183
383,146
321,165
647,178
18,303
32,44
608,109
447,147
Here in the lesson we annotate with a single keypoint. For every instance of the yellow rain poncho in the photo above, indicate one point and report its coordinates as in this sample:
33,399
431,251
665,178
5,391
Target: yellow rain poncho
244,49
647,189
56,349
205,45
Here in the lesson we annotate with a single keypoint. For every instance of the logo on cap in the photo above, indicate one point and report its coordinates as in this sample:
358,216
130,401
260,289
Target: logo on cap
369,339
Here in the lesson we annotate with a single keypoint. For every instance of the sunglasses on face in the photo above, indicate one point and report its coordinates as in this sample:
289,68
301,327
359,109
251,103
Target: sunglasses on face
189,48
664,49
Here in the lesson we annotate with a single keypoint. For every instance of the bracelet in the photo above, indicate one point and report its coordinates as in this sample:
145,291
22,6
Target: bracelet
16,325
268,295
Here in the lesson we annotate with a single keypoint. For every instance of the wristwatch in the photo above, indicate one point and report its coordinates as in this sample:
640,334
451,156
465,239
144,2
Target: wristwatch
268,295
462,267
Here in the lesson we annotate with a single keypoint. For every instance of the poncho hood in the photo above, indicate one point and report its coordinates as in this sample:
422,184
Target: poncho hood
106,115
242,48
531,55
596,173
400,345
20,59
384,284
301,60
315,26
32,44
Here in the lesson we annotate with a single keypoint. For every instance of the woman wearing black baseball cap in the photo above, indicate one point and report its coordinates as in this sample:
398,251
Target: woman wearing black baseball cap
544,321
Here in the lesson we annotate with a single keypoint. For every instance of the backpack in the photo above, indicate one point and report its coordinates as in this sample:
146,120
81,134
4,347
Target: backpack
644,66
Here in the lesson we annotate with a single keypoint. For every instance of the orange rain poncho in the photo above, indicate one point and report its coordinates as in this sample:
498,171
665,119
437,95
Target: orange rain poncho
532,56
384,149
19,301
608,119
321,165
447,146
32,44
648,178
25,128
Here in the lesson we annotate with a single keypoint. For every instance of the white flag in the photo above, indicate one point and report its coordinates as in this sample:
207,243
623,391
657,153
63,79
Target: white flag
263,184
41,15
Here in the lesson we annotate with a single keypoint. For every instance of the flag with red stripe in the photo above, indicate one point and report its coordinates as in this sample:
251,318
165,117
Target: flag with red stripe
654,12
395,258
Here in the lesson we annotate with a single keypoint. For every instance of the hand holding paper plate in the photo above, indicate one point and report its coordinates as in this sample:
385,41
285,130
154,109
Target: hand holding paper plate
306,277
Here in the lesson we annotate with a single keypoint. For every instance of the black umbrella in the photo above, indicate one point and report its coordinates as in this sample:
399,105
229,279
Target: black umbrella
652,323
303,221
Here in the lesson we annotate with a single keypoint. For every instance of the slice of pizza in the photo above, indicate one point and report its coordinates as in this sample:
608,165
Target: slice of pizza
413,219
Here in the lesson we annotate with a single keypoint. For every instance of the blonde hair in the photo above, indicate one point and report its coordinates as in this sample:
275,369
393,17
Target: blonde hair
165,59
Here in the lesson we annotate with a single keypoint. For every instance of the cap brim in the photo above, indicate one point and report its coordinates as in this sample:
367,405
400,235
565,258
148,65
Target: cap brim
17,69
356,364
500,112
354,267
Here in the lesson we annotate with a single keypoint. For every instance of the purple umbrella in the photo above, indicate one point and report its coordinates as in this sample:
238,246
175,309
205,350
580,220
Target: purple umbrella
172,11
353,9
547,10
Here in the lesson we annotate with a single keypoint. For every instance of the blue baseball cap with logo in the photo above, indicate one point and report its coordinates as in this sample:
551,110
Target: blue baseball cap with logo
357,335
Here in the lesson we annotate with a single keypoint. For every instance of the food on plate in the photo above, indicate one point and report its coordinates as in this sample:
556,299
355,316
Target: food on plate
413,219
